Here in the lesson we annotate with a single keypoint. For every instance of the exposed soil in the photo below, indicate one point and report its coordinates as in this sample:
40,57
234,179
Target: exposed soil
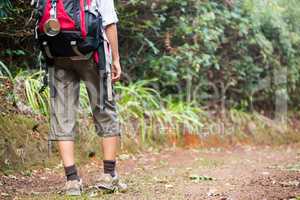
240,173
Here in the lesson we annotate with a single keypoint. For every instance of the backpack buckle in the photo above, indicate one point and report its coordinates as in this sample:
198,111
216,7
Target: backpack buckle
47,50
75,49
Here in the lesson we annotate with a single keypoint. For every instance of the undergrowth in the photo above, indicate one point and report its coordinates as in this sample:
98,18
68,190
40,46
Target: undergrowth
147,120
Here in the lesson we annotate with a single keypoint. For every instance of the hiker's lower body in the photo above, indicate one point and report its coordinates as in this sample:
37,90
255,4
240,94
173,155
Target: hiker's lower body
65,77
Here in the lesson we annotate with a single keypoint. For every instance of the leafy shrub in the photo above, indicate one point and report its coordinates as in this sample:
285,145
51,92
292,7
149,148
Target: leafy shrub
141,109
221,52
5,6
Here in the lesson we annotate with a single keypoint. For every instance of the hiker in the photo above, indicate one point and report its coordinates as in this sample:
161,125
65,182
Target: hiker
98,66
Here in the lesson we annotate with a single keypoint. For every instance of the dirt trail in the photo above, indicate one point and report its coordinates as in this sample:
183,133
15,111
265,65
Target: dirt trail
241,173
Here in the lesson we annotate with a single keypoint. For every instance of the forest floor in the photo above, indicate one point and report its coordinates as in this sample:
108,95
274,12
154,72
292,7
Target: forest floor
239,173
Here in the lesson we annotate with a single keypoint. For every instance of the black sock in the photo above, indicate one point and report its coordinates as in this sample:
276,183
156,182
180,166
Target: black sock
109,167
71,173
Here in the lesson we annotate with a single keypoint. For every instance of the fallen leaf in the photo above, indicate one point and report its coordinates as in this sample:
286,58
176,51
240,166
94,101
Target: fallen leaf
124,157
197,178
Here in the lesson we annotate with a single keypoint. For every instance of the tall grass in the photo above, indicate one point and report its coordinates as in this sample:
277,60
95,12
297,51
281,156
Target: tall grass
146,116
4,71
142,111
39,102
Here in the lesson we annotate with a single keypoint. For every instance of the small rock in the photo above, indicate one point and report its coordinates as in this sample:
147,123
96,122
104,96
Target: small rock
290,183
5,194
58,166
150,149
168,186
93,194
12,177
212,192
124,157
251,127
35,193
159,180
162,162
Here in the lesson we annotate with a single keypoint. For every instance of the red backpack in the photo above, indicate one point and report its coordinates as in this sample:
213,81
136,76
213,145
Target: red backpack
68,28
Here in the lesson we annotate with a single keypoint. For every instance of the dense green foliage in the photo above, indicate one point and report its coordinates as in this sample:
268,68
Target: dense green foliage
215,51
199,50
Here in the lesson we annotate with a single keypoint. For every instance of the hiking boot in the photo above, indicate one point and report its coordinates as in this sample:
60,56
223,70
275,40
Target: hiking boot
111,184
73,188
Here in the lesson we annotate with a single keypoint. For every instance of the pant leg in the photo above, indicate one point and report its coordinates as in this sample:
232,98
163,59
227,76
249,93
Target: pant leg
106,121
64,101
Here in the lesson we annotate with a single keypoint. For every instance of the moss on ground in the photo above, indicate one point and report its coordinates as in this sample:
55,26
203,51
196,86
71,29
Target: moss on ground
23,142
